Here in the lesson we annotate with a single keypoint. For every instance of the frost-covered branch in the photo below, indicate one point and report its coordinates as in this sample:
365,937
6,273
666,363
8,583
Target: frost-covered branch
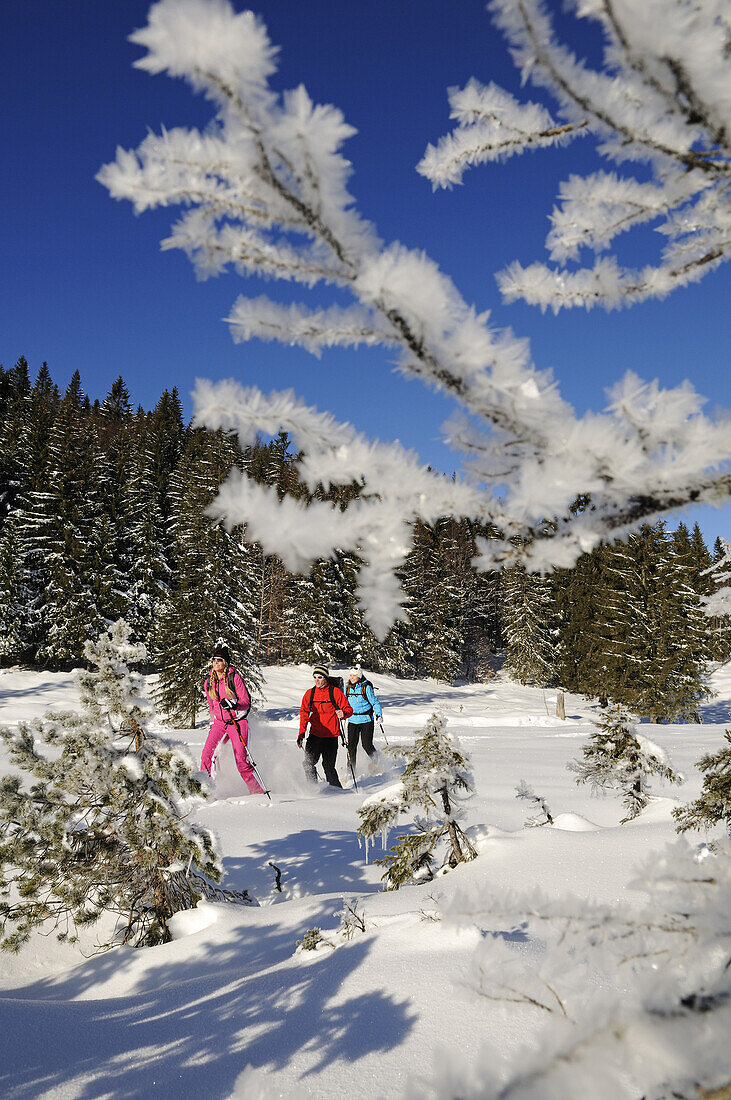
662,99
656,1025
265,188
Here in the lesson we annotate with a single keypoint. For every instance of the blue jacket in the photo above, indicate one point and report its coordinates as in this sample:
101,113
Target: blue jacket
364,706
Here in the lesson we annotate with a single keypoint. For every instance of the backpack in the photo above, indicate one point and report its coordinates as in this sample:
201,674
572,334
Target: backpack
332,683
362,684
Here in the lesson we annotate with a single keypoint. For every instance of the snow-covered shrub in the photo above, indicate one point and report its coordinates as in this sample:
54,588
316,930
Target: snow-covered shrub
621,1003
526,792
312,940
714,802
263,190
352,918
102,828
436,772
617,757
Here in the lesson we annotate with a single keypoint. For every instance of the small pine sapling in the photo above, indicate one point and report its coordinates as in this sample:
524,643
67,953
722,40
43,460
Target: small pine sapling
524,791
616,757
312,940
101,830
352,918
714,802
435,771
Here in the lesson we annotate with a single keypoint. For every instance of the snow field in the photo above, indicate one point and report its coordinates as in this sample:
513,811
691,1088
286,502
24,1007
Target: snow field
231,1008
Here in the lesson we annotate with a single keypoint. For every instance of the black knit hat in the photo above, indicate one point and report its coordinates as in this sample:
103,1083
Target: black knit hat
320,670
223,652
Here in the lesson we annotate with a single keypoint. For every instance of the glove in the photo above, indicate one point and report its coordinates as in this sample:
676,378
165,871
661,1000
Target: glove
300,740
228,704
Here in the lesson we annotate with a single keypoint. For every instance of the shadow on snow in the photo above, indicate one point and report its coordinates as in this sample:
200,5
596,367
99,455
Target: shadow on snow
192,1027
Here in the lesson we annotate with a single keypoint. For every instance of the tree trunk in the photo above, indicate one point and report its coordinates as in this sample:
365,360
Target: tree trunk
560,706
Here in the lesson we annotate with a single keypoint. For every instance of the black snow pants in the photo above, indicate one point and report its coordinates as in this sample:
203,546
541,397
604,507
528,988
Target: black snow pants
364,731
327,748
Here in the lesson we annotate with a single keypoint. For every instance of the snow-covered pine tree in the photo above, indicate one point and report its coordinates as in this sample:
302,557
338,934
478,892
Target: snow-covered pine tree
717,604
437,772
317,614
68,522
23,573
656,645
166,442
714,802
434,585
617,757
528,617
481,627
145,568
212,590
584,663
103,828
14,408
692,561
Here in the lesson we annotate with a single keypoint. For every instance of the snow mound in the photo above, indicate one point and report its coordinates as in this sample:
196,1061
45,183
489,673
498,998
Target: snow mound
658,808
574,823
191,921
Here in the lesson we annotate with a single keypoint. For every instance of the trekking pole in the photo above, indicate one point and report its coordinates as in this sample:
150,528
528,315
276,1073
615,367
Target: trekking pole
253,766
250,759
352,771
383,732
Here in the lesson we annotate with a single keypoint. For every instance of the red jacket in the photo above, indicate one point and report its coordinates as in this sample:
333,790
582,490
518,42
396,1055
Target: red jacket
323,719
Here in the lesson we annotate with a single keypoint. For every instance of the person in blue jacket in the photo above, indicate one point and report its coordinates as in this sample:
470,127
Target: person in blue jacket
366,708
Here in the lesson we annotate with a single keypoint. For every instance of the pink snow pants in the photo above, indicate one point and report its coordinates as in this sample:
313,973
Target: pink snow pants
238,738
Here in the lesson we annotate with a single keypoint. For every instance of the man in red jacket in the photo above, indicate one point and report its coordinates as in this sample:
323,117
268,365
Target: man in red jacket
322,708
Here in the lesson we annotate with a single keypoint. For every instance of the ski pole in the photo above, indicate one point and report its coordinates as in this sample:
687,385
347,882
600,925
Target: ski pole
380,723
250,759
352,771
252,764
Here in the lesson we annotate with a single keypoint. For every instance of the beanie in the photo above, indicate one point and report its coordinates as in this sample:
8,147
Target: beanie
320,670
223,652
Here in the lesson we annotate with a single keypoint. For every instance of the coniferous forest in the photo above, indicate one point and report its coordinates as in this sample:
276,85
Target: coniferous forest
102,516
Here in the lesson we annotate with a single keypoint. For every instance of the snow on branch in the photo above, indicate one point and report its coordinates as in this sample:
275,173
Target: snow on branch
662,98
265,192
655,1026
314,330
492,125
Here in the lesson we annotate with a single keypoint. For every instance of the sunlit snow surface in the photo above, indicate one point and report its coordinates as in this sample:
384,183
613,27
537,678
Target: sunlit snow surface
231,1008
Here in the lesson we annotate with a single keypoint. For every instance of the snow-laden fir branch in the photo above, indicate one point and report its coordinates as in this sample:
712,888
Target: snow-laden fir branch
662,98
266,192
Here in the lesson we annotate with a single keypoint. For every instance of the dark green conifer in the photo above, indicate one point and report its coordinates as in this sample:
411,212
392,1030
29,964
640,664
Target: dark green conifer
211,594
70,534
714,802
616,757
658,639
528,616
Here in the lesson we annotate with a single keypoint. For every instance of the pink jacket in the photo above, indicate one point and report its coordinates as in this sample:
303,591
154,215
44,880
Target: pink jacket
218,689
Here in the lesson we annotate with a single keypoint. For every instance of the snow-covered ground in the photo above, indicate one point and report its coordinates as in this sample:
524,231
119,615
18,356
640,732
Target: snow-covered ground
230,1008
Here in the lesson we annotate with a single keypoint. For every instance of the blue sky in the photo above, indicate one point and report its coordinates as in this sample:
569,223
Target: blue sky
85,285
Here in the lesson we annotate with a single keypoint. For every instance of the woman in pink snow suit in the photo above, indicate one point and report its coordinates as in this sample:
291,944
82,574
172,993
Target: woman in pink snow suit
226,694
